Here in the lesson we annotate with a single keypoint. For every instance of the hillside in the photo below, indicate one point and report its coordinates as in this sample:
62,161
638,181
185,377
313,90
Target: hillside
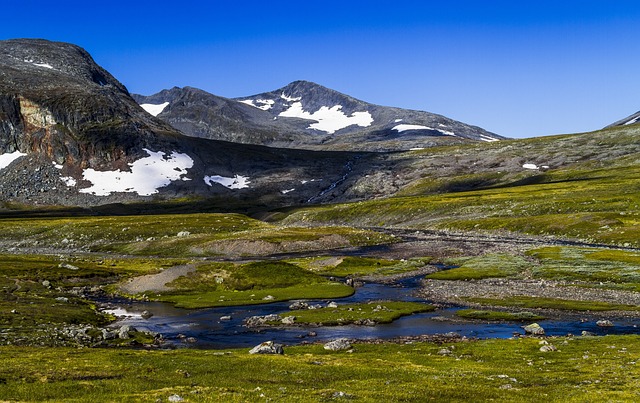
307,115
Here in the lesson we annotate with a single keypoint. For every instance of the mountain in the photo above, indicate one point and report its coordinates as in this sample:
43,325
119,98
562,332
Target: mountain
71,134
629,120
307,115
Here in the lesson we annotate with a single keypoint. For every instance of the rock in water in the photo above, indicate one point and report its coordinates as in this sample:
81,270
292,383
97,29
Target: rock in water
534,329
288,320
338,345
604,323
268,347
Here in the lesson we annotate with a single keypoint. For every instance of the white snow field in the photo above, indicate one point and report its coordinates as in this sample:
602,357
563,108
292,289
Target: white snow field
328,120
7,158
154,109
236,182
147,175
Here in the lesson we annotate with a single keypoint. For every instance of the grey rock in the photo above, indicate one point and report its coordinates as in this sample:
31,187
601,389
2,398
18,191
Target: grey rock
338,345
604,323
548,348
225,318
298,305
444,351
534,329
268,347
175,398
288,320
123,332
146,314
587,333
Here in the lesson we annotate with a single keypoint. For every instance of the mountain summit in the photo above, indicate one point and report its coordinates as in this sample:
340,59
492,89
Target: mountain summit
71,134
307,115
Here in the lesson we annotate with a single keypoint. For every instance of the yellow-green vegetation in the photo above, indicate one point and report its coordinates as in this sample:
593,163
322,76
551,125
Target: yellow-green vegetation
498,315
583,195
588,264
225,284
372,312
487,266
583,369
180,235
359,266
554,303
34,290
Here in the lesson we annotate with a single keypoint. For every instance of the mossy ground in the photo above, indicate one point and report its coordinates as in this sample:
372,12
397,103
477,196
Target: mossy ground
356,266
376,311
584,369
497,315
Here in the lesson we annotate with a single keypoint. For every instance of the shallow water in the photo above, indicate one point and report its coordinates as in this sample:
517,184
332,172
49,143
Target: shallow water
205,326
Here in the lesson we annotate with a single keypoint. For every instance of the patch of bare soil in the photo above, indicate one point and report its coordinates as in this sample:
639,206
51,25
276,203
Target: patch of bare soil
156,282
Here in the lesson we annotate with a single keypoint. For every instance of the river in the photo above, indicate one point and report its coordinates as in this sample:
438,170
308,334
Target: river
203,328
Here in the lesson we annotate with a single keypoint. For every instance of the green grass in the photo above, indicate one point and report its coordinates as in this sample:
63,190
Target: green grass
180,235
585,369
487,266
376,311
498,315
588,264
553,303
591,192
353,266
226,284
252,297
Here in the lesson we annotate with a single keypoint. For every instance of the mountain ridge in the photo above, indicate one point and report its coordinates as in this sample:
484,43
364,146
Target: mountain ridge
307,115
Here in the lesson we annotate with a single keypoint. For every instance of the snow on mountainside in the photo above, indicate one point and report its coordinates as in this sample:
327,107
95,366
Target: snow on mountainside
307,115
629,120
71,134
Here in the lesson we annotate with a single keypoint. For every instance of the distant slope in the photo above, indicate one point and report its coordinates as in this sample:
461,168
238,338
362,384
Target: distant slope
582,186
307,115
629,120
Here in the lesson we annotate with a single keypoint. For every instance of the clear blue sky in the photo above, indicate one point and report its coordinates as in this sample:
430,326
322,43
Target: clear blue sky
517,68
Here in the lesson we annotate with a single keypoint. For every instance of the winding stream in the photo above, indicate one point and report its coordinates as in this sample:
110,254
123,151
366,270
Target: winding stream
209,331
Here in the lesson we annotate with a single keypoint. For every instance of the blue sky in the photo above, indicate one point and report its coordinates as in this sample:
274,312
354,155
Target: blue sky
517,68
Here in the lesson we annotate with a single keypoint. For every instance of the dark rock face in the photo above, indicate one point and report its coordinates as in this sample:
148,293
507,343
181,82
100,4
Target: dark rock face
629,120
307,115
65,117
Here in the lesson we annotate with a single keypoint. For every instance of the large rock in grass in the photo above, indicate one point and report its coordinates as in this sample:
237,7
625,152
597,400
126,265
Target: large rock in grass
534,329
268,347
338,345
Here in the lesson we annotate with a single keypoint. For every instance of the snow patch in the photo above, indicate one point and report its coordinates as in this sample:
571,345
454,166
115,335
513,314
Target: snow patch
530,166
632,121
69,181
328,120
154,109
284,192
57,166
147,175
290,99
397,121
237,182
7,158
416,149
405,127
487,138
264,104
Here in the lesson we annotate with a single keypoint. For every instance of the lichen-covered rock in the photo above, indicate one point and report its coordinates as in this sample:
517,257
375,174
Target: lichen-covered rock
268,347
534,329
338,345
604,323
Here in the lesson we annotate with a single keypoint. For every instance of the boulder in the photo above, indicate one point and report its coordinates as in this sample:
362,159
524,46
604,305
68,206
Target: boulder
298,305
548,347
604,323
146,314
534,329
123,332
338,345
288,320
225,318
268,347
